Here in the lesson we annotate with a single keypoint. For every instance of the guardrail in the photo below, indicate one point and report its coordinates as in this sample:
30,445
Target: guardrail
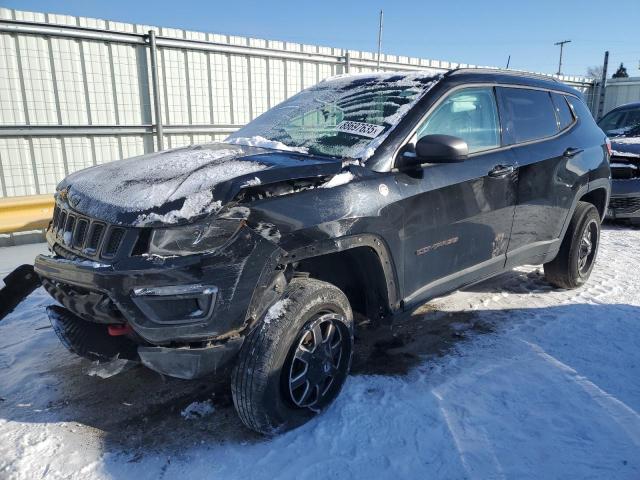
23,214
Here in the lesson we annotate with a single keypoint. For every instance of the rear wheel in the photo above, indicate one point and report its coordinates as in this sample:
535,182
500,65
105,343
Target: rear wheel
573,265
293,365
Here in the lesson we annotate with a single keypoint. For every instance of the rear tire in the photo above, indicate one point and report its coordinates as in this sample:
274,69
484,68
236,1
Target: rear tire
294,363
573,265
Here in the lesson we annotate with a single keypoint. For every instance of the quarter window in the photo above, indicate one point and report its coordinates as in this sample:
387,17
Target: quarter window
469,114
528,114
579,108
563,112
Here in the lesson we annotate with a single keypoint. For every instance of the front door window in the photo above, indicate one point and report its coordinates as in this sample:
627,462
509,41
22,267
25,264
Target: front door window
470,114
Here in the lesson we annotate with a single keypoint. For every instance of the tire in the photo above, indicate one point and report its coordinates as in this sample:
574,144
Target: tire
573,265
294,332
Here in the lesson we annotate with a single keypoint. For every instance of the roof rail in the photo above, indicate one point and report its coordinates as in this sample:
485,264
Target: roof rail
503,71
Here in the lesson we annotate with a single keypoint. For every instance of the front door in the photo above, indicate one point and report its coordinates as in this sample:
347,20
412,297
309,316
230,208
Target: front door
458,216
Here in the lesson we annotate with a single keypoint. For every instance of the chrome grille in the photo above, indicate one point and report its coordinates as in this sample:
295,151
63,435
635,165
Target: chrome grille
624,167
625,204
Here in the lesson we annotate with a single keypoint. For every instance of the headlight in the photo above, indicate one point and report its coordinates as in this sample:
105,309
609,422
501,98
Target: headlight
204,236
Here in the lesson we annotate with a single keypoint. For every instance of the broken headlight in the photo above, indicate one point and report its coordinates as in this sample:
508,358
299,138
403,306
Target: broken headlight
200,237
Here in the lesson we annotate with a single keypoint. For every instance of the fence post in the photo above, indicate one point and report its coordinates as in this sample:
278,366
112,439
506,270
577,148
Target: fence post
156,90
603,86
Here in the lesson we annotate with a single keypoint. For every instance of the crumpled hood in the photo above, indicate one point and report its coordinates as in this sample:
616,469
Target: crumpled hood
175,185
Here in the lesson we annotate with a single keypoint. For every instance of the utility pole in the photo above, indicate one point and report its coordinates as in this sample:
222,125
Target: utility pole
380,39
561,46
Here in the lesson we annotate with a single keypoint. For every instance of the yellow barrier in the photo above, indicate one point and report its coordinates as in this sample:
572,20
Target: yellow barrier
21,214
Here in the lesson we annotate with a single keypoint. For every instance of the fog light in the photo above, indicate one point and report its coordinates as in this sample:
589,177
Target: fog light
196,289
176,303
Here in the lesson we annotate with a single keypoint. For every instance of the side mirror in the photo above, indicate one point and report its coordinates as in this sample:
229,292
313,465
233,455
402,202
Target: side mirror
435,149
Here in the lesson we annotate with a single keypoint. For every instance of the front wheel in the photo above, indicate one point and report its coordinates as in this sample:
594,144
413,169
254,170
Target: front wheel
294,363
573,265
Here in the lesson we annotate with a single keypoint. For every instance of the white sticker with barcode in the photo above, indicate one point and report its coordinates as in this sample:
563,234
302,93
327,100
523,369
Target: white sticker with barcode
358,128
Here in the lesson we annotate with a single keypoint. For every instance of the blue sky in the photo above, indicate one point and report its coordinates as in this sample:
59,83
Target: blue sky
481,32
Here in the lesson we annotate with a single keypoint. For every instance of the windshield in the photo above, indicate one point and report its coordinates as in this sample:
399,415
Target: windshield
344,117
624,123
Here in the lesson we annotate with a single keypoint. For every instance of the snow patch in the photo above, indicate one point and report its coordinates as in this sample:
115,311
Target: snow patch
339,179
252,183
276,310
268,231
198,410
109,369
82,263
626,140
261,142
194,205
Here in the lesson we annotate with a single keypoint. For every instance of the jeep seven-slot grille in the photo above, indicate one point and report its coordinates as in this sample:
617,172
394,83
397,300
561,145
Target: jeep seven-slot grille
625,204
112,245
85,236
97,229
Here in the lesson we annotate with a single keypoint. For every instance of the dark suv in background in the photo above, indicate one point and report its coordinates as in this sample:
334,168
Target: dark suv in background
370,193
622,125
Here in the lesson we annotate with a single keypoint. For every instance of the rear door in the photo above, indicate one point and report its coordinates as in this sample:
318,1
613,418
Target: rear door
539,126
458,216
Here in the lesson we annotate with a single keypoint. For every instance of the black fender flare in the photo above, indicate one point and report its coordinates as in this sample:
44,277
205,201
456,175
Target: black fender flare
273,278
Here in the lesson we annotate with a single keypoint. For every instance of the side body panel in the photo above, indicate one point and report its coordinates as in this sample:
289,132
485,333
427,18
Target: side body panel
457,222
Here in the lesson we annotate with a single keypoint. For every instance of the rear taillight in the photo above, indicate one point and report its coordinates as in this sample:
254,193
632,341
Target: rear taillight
609,149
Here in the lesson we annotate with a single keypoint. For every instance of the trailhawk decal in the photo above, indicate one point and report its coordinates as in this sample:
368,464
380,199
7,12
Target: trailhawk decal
435,246
358,128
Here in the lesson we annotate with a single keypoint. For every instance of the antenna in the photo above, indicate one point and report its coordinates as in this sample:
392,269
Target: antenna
561,46
380,39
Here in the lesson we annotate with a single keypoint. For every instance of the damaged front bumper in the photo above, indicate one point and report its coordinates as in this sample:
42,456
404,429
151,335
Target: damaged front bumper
94,342
187,314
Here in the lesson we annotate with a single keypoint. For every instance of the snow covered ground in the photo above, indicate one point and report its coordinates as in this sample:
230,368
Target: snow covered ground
511,379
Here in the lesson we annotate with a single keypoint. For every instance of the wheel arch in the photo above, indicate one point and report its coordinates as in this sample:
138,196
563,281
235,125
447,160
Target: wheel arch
599,198
361,266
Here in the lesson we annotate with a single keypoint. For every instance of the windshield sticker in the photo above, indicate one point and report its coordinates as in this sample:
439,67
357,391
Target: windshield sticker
358,128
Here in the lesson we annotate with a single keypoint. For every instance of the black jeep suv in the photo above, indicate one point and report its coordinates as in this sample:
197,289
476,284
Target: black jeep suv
369,193
622,125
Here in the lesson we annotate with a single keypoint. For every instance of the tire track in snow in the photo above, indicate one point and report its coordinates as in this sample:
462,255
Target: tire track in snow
626,417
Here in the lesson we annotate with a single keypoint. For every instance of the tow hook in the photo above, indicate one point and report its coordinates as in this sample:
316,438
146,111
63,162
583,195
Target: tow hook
119,330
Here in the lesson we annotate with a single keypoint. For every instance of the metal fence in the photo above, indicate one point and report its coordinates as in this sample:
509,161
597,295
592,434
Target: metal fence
76,92
619,91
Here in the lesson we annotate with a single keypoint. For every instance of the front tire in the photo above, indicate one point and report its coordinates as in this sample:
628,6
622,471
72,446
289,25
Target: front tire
573,265
294,363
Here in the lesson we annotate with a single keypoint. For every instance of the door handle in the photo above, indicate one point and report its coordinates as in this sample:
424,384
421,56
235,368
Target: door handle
572,152
500,171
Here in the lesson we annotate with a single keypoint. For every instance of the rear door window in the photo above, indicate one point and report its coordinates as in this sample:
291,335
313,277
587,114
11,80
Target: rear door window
527,114
563,112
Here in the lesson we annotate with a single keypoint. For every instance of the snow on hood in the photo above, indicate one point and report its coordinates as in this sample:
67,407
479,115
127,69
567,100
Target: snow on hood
177,185
262,142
